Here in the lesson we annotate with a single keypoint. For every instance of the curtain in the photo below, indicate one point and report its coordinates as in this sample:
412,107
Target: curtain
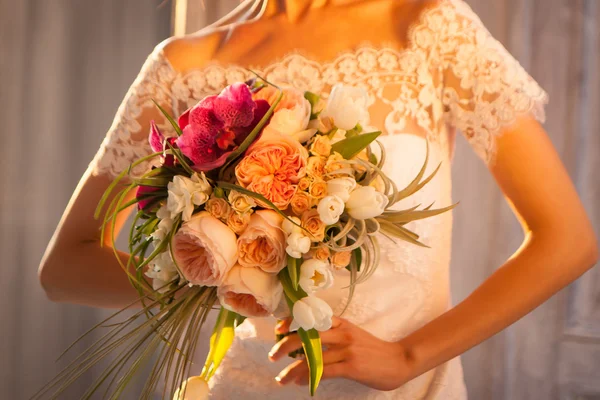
65,66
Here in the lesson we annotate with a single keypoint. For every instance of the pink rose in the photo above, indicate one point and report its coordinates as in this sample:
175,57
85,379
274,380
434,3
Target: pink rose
262,244
250,292
205,249
272,167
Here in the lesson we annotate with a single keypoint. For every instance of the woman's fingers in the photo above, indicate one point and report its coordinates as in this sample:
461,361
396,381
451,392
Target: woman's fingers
283,326
298,370
332,338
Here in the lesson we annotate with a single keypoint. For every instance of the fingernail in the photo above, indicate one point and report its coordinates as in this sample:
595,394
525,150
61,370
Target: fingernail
278,380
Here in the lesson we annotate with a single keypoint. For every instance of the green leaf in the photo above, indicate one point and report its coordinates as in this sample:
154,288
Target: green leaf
169,118
251,137
350,147
293,267
220,342
311,342
313,99
357,130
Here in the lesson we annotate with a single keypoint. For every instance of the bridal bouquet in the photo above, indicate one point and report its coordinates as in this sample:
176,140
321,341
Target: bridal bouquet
263,193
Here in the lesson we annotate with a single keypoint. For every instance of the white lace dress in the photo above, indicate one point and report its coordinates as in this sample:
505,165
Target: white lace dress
453,74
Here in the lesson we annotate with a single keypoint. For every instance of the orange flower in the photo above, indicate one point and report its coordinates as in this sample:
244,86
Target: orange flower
273,167
341,259
313,224
300,203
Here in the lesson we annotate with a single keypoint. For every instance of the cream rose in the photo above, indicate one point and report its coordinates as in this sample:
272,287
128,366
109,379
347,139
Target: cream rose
240,202
262,244
315,167
321,146
205,250
365,202
321,253
313,225
330,209
250,292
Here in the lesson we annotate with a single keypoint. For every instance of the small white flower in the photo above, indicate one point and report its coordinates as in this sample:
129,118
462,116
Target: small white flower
164,226
185,194
311,312
341,187
330,209
315,275
289,228
162,271
366,202
347,106
297,244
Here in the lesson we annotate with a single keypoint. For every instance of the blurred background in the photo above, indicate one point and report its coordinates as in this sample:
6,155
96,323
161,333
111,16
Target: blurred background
65,66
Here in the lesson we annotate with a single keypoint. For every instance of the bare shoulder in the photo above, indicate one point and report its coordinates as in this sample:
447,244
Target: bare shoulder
191,52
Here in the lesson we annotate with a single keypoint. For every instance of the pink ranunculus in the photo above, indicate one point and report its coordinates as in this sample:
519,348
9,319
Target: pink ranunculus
250,292
272,167
217,125
262,244
205,249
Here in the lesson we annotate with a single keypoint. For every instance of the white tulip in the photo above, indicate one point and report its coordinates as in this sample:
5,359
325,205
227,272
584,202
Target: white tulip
366,202
330,209
289,228
162,271
341,187
315,275
194,388
297,244
347,106
185,194
311,312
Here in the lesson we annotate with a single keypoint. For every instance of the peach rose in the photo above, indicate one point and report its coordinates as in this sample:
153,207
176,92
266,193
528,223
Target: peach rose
313,224
341,259
238,222
205,250
262,244
301,202
333,163
240,202
316,166
291,97
218,208
318,189
250,292
321,146
321,253
273,166
304,183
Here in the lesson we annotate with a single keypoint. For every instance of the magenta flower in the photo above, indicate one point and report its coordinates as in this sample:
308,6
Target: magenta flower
157,143
217,125
142,194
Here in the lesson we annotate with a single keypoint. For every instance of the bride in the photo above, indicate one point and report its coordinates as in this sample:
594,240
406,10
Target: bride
430,68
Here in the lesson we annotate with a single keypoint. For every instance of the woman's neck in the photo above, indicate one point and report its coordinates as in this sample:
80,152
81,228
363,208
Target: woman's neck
296,9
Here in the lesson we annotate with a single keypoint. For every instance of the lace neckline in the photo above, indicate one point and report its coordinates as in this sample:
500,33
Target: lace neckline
388,46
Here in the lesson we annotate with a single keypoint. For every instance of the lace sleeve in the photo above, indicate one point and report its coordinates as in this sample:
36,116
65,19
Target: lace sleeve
127,138
485,87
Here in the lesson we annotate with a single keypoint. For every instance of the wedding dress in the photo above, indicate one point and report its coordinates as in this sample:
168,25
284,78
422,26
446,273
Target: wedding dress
452,75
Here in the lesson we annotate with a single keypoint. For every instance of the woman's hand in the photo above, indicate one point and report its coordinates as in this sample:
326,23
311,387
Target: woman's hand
350,352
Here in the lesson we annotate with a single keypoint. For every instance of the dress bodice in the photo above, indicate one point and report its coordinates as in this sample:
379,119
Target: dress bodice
452,75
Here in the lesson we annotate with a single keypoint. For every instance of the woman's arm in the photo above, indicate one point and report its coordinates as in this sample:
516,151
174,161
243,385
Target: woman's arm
559,246
75,267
